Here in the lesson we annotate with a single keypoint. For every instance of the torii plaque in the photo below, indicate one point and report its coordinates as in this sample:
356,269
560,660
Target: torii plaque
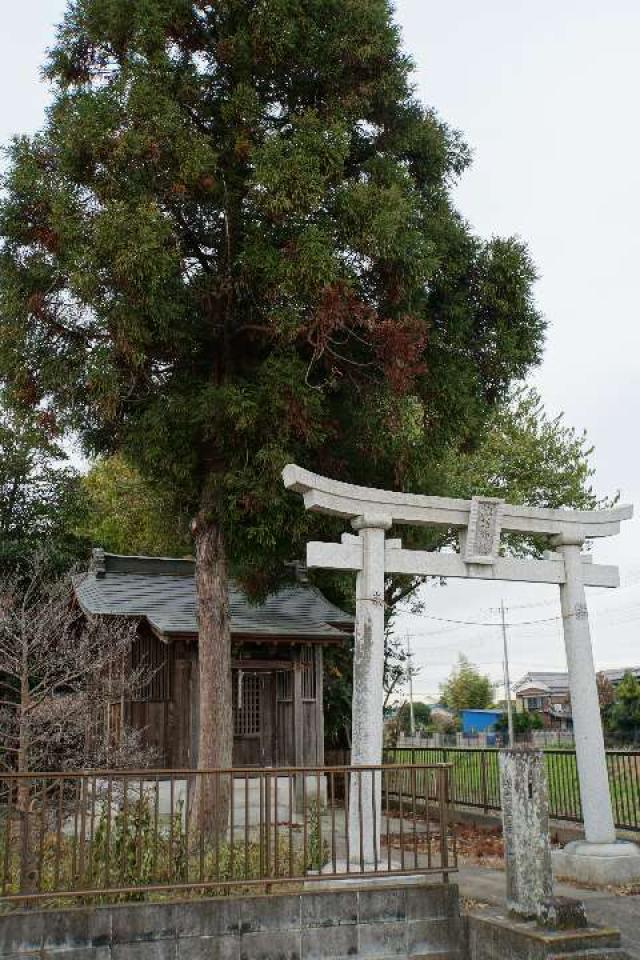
479,523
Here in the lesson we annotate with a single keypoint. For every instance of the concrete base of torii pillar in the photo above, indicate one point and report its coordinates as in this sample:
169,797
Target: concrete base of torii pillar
602,863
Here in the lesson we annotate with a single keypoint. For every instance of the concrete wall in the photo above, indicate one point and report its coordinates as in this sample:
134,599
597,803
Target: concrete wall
399,921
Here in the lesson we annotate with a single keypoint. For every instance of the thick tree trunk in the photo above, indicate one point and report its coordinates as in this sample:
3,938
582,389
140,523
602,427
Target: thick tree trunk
215,735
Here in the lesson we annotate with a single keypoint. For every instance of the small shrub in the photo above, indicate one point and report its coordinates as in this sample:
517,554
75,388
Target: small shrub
122,848
317,845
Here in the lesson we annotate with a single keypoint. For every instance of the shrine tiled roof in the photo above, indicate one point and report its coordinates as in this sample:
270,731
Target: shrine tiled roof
162,591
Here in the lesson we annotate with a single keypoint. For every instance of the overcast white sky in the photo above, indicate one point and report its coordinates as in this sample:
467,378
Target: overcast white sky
546,94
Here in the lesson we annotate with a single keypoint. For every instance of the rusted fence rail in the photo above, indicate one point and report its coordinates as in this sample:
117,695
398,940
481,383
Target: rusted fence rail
474,780
104,836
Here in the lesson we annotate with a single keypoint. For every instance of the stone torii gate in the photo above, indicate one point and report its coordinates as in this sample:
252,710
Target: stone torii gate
479,523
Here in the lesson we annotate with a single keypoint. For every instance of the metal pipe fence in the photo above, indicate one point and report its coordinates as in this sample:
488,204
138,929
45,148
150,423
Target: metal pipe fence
107,836
474,780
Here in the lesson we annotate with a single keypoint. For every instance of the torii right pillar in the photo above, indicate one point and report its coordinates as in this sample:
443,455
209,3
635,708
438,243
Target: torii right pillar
600,858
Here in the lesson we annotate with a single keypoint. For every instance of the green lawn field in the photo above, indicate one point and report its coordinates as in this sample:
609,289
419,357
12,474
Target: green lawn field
474,780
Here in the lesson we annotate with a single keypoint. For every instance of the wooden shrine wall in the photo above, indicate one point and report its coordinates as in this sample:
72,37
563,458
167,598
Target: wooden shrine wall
280,724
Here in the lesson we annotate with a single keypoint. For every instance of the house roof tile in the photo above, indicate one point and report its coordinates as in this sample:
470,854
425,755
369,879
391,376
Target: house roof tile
558,681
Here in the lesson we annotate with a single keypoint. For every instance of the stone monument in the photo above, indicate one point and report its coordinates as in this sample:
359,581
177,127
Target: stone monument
525,822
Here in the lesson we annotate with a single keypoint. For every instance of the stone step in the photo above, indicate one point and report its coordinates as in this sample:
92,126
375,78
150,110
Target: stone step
591,940
615,953
492,935
440,955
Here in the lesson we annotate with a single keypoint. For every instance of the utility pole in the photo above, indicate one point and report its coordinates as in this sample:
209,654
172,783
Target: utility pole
507,684
412,719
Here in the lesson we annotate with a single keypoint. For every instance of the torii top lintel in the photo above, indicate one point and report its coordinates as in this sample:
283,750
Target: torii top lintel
324,495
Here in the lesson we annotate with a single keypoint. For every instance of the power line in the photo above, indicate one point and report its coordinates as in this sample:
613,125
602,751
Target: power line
518,623
532,605
483,623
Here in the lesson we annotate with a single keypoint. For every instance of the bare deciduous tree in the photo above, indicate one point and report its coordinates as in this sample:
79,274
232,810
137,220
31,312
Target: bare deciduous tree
62,676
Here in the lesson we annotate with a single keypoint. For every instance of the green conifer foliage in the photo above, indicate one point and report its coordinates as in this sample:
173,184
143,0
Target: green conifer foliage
233,245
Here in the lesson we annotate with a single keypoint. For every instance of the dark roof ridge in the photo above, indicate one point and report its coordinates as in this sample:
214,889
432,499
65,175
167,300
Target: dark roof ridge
103,562
543,675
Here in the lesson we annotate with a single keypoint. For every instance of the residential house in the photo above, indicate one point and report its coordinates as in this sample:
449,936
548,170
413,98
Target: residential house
547,694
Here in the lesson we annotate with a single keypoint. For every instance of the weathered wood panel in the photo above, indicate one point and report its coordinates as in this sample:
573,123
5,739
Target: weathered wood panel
286,748
298,716
247,751
309,733
150,716
156,662
319,665
179,726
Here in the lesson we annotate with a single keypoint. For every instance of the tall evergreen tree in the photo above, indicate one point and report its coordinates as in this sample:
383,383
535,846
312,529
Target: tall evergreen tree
233,245
41,501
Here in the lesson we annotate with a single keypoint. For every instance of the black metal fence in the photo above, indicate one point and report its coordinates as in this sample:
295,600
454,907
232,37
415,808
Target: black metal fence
474,780
105,836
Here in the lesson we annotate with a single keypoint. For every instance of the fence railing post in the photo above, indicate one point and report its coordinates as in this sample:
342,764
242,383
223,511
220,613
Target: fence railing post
443,793
267,822
483,781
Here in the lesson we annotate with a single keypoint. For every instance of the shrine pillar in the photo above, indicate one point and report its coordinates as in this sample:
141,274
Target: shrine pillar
599,858
365,795
585,707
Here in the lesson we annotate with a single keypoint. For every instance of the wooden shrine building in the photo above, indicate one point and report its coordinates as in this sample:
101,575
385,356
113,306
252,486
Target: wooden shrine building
277,665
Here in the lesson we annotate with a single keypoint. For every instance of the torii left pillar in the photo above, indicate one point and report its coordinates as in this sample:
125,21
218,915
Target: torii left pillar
365,799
